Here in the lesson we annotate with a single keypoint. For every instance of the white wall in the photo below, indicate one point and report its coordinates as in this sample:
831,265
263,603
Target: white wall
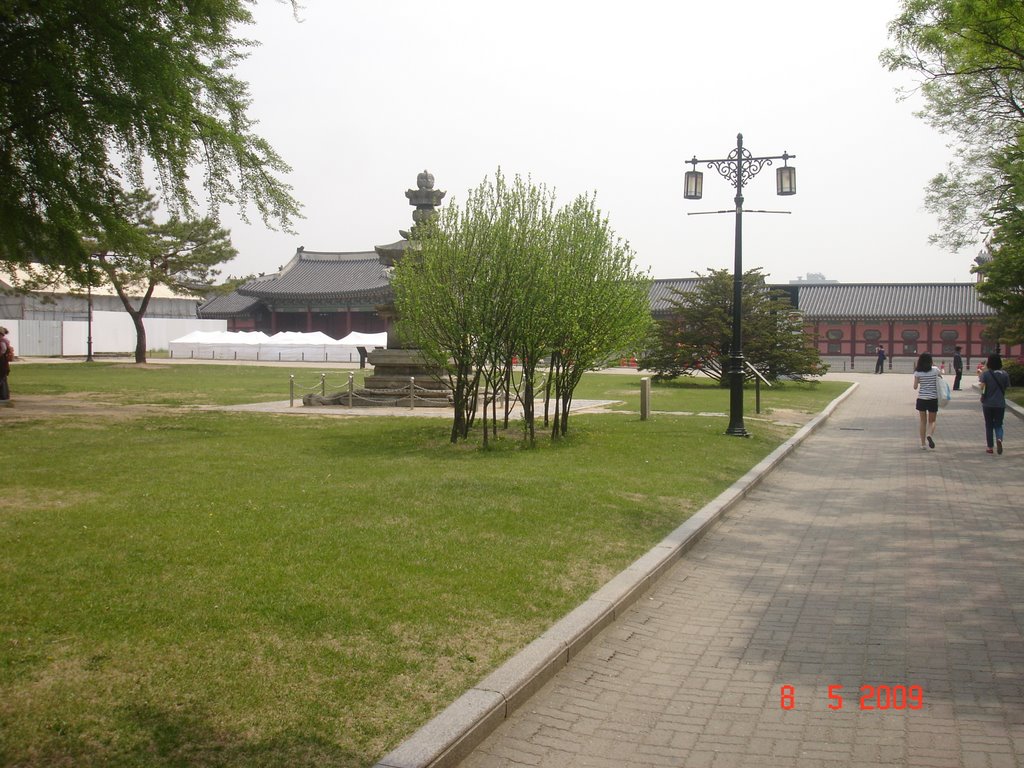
114,333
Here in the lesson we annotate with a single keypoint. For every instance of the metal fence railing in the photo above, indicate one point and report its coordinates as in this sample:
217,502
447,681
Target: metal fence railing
410,394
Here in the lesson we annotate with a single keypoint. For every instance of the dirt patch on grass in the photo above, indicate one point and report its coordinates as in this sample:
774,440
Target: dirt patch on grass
42,407
785,416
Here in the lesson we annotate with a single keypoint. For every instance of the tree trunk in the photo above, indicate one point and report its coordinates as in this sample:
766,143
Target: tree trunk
528,415
547,388
140,337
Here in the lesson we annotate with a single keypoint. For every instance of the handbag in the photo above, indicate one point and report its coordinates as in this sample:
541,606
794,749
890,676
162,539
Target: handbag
945,394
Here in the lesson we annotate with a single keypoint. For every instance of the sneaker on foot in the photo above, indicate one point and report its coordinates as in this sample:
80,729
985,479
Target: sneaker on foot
999,447
988,450
931,443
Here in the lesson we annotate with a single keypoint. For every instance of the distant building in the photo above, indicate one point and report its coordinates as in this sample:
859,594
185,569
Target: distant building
812,277
332,292
59,319
852,320
341,292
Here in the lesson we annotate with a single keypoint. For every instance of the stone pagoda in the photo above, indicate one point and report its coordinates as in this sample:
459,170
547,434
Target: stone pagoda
388,385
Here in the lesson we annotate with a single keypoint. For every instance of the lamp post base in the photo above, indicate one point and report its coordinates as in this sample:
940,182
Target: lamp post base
736,428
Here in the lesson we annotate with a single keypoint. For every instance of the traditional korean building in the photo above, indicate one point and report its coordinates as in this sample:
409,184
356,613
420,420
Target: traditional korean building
332,292
851,320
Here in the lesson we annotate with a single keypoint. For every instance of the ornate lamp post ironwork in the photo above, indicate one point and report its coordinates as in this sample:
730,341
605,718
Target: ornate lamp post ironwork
739,168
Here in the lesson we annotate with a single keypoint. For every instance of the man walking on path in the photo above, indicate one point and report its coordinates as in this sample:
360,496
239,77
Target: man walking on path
958,368
853,610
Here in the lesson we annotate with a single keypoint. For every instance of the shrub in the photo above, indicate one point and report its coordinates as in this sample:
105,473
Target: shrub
1016,370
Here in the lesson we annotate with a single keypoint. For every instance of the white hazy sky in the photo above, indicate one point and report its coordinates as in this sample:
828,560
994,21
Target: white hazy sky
606,97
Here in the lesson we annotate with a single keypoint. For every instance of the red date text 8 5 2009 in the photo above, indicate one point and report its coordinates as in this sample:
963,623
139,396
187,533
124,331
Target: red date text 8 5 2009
871,697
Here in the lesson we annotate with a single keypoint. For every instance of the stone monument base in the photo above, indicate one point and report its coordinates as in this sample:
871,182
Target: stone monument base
389,385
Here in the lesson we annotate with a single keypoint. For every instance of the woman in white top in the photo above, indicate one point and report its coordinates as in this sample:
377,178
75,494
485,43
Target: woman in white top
926,381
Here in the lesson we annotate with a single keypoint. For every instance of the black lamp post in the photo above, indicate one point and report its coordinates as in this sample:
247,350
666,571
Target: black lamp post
739,168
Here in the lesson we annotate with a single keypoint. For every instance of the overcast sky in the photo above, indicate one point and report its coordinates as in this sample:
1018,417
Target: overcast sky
606,97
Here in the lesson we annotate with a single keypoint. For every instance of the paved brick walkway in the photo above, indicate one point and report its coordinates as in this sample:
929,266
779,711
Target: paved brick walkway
862,560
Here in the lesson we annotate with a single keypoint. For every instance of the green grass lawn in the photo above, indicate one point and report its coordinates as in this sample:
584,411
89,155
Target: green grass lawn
200,588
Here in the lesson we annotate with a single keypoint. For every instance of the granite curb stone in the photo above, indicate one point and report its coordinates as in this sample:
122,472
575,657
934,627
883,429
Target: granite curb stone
451,735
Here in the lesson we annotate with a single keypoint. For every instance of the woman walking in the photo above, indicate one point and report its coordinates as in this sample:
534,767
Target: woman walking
926,382
994,382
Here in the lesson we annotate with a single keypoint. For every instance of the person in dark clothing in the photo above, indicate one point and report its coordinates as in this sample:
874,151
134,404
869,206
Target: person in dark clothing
994,382
880,362
6,355
958,368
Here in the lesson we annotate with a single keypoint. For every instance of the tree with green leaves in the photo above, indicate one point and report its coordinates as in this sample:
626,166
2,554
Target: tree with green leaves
697,336
463,294
180,254
1002,286
494,288
96,93
601,301
968,56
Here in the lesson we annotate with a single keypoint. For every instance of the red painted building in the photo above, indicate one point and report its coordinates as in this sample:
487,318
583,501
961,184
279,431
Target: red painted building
852,320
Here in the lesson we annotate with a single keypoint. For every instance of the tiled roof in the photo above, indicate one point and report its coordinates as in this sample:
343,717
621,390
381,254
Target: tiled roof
320,275
663,293
891,301
229,305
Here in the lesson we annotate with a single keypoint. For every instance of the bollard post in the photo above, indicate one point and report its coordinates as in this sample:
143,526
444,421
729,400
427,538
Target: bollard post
757,394
645,398
351,386
323,385
291,391
412,392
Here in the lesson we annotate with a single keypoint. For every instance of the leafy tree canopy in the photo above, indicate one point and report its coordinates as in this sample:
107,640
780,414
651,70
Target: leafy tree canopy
95,94
507,280
969,58
181,254
697,336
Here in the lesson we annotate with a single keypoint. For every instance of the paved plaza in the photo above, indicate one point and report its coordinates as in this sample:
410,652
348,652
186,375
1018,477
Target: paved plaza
861,561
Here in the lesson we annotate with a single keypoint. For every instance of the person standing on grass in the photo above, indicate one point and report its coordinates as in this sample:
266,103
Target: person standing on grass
926,382
994,382
6,355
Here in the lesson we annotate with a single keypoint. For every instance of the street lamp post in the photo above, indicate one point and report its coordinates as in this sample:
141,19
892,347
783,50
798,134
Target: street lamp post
739,168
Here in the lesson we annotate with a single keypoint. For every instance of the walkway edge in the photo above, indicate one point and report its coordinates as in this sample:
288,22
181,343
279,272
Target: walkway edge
455,732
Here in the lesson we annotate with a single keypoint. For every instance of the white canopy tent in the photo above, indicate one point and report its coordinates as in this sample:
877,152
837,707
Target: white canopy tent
284,346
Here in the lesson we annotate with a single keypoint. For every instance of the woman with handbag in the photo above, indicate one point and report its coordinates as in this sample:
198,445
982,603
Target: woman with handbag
994,382
926,381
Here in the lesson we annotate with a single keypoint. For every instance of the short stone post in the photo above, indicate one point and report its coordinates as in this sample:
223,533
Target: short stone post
291,391
645,398
412,392
351,387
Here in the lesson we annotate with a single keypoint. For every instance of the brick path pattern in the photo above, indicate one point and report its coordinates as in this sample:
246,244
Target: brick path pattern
862,560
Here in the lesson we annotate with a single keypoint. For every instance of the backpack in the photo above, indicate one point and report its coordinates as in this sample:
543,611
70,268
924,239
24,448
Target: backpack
10,351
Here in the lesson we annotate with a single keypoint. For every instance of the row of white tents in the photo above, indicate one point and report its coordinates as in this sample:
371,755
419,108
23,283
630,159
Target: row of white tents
284,346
